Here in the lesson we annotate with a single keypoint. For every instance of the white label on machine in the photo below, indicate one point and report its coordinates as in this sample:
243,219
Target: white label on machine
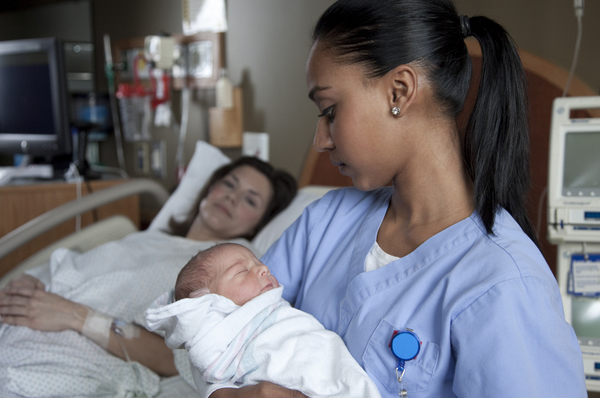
585,275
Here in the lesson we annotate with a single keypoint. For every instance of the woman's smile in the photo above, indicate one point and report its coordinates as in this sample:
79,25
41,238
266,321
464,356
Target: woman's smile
224,209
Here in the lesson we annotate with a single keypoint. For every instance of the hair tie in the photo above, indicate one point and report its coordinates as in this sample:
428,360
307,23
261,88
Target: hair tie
465,26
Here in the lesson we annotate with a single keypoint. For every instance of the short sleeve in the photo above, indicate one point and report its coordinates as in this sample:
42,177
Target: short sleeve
501,344
288,256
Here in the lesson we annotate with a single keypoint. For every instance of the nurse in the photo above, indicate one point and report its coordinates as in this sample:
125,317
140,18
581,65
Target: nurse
446,252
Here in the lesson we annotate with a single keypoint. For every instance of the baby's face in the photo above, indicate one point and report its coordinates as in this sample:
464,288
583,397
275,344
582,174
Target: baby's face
242,276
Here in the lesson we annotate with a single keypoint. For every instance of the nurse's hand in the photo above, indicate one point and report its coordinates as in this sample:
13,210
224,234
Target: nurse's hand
264,389
24,302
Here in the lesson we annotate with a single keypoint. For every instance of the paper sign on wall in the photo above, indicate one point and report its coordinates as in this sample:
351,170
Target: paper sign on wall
204,16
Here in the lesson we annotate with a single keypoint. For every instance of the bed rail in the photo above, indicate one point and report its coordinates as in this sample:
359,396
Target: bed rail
52,218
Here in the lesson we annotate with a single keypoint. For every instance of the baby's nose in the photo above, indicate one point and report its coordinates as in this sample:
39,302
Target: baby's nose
263,270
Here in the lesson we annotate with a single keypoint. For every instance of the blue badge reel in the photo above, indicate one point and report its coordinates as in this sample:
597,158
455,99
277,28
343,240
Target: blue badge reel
405,345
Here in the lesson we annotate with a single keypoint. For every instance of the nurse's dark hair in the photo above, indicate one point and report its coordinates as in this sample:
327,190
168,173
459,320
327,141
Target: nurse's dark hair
381,35
284,190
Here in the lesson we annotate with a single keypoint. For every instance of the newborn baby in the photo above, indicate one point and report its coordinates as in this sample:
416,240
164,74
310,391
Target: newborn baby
228,313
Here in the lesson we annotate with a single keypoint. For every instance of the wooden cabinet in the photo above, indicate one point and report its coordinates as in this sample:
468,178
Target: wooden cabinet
21,203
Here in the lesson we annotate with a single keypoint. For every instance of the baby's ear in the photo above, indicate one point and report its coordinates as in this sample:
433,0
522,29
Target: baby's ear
199,293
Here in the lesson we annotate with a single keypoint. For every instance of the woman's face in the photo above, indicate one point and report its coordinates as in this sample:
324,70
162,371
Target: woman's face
356,119
236,203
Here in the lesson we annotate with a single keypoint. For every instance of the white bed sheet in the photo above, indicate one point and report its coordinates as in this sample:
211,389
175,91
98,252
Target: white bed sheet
132,272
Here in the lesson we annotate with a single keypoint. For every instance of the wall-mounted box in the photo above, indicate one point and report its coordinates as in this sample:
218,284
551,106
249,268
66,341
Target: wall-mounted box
225,124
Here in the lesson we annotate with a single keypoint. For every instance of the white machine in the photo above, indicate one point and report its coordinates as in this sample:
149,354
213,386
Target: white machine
574,222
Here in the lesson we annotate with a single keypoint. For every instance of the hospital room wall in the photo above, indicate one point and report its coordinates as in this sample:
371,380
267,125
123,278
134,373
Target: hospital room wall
266,42
266,48
265,52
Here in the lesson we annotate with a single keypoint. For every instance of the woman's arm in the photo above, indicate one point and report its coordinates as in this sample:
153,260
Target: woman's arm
24,302
264,389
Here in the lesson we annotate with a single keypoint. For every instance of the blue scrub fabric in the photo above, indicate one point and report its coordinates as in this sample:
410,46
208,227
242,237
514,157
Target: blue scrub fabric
486,308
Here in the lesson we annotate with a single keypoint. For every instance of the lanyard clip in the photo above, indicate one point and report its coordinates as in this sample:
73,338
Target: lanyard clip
405,345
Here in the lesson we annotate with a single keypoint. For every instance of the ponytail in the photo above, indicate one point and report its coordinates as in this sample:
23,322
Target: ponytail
497,134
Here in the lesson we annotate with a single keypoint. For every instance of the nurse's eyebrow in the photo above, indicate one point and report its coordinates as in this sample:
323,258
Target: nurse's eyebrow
312,92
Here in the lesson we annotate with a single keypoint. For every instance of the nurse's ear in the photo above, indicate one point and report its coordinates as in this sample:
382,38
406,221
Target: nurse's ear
403,87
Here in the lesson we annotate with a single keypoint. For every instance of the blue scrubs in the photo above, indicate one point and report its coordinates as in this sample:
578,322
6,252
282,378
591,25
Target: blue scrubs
486,308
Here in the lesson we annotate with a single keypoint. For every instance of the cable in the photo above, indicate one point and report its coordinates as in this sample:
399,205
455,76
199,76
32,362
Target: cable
73,175
578,5
113,101
185,107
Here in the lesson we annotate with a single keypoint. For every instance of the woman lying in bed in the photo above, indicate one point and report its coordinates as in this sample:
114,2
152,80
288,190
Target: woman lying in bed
101,295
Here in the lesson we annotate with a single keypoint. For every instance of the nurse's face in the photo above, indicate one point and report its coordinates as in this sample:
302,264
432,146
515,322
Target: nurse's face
242,276
236,203
355,119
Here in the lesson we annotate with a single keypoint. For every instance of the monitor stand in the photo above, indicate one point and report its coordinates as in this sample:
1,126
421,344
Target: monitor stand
79,149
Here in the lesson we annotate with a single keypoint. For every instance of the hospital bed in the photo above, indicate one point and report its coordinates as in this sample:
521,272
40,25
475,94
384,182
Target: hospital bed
205,160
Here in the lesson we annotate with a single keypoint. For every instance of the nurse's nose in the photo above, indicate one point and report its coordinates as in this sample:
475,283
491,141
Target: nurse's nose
322,141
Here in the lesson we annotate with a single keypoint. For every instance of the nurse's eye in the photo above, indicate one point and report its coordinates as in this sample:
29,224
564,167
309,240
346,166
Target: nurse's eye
329,112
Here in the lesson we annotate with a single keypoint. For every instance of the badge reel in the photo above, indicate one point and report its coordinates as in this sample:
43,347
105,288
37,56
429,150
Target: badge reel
405,346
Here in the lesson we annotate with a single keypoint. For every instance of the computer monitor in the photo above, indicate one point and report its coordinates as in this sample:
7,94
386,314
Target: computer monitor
34,113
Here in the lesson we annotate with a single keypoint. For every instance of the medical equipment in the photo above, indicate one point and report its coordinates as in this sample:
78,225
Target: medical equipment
574,221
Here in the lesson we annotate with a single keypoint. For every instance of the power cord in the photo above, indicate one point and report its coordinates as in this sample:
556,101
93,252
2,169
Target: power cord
578,5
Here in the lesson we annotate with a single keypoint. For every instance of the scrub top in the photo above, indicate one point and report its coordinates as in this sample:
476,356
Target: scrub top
486,308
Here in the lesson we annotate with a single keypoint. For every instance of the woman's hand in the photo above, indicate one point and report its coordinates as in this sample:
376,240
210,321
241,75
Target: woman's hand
264,389
24,302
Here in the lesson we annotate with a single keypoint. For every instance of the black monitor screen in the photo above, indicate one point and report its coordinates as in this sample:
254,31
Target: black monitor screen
34,114
582,164
25,94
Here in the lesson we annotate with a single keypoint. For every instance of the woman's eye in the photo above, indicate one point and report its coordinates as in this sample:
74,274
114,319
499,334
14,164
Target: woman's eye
329,112
251,201
228,183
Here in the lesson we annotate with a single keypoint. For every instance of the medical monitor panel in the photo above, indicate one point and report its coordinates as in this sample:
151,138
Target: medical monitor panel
574,171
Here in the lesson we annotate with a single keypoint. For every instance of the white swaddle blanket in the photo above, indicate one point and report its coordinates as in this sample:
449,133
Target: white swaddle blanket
120,278
265,339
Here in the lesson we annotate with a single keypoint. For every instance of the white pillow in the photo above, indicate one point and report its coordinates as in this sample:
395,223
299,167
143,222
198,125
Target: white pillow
204,162
273,230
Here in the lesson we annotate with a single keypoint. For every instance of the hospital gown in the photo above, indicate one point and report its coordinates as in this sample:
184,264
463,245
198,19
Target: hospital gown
120,278
486,308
